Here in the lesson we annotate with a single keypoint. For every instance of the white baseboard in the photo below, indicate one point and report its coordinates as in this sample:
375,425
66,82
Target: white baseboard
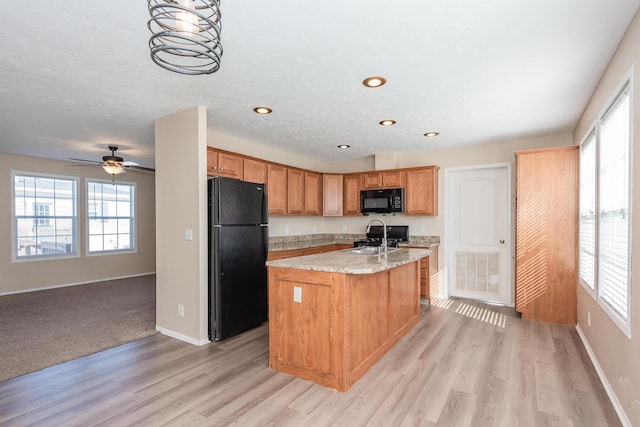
605,382
76,283
182,337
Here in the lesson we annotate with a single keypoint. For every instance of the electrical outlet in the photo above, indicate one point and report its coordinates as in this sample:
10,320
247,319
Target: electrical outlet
180,310
286,229
188,234
297,294
423,229
588,318
314,228
344,227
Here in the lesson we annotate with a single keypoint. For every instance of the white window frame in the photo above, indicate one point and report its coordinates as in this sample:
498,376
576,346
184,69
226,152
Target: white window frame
624,324
133,219
15,258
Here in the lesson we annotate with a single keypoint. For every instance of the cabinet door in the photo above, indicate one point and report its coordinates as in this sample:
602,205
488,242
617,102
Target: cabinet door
212,161
277,189
393,179
331,194
295,191
224,164
255,171
371,179
421,195
312,193
230,165
352,194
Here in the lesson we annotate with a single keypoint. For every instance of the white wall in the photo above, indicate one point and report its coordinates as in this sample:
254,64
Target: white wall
29,275
617,355
181,203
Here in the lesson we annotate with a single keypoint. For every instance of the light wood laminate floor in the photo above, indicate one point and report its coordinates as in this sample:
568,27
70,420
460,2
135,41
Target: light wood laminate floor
465,364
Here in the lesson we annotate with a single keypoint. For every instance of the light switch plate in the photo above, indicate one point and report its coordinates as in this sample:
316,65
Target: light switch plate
188,234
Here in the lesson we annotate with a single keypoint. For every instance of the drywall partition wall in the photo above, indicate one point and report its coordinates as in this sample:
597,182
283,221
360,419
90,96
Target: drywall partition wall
32,275
181,205
617,355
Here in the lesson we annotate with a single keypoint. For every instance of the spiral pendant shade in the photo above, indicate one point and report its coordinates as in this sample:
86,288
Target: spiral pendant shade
185,35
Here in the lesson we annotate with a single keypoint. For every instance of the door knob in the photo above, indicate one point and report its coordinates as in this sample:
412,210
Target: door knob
502,242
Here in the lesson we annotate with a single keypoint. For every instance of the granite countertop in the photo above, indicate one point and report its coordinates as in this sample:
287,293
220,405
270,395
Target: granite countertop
283,243
349,263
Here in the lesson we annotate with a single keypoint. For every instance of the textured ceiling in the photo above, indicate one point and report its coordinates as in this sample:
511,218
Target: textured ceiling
75,76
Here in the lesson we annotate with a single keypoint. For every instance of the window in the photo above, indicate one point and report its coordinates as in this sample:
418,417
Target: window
587,218
111,216
613,201
605,178
45,216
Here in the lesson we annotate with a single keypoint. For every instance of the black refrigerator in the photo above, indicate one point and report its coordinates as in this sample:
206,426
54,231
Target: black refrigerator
238,246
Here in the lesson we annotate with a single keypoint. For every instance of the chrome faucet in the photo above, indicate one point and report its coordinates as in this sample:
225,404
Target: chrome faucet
383,244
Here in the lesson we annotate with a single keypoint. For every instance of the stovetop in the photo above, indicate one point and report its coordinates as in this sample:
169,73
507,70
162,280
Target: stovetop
395,235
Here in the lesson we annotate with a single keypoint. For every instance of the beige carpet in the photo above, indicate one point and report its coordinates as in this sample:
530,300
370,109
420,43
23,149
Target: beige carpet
45,328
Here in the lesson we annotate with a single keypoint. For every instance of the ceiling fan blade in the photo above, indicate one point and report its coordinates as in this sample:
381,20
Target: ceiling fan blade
85,161
128,163
139,168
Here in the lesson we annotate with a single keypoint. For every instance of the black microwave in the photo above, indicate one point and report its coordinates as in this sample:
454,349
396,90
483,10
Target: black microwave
390,200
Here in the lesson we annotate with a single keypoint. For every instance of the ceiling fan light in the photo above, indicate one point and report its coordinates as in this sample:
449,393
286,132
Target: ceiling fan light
113,169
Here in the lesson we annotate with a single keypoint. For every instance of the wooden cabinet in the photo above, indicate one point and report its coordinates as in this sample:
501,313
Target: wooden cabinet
220,163
295,191
352,319
386,179
277,189
255,171
332,194
351,203
312,193
546,234
421,194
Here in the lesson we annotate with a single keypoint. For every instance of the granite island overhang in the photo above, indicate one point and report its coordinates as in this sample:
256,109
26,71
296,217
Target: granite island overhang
332,316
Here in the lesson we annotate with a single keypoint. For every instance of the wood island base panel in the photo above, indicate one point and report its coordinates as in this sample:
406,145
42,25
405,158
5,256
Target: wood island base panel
331,327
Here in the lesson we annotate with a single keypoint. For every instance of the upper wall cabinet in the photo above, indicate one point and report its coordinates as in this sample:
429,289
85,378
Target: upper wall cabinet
220,163
352,187
332,194
421,194
255,171
295,191
312,193
386,179
277,189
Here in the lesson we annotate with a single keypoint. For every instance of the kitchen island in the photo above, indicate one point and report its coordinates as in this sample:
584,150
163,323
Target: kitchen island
332,316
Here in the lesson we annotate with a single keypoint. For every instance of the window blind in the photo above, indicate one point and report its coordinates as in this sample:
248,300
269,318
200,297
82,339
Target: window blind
613,195
587,220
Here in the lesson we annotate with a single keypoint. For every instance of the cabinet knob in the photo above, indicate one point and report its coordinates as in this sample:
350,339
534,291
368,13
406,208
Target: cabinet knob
215,168
221,169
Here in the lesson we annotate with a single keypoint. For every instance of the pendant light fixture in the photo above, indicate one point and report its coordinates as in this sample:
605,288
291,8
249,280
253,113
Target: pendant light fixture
185,35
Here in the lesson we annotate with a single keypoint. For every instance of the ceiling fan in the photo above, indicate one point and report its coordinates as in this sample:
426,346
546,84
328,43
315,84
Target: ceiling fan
115,165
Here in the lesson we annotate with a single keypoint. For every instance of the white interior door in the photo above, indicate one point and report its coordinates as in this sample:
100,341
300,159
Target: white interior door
478,233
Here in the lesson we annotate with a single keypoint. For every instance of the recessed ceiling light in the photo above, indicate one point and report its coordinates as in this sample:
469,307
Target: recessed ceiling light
431,134
263,110
387,122
344,146
374,81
